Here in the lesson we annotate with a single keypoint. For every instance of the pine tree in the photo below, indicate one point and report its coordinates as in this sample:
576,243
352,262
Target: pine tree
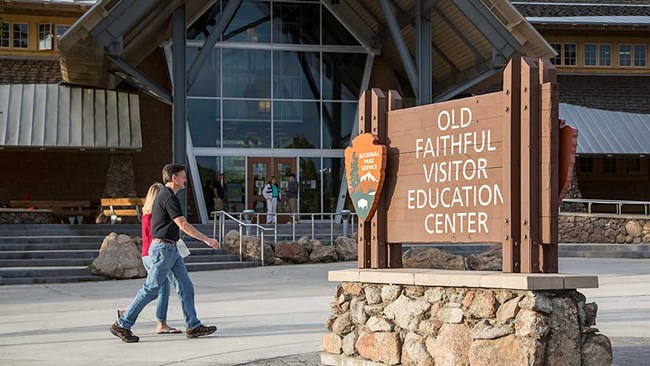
354,171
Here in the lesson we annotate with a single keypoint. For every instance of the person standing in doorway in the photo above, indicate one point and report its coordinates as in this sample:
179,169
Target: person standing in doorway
218,192
271,193
166,222
291,192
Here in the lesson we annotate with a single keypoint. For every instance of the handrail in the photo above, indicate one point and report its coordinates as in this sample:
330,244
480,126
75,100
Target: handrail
619,204
222,228
312,221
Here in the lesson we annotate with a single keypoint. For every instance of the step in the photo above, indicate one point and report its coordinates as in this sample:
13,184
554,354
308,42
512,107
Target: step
72,271
71,262
83,253
38,280
607,247
195,267
73,246
603,254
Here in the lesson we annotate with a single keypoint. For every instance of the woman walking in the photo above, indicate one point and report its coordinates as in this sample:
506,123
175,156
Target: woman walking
272,194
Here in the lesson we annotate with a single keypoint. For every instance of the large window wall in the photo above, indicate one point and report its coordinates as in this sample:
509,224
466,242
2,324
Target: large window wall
283,81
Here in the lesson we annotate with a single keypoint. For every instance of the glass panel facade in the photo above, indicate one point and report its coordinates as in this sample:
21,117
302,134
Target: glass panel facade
296,75
247,123
251,23
338,119
207,84
246,73
310,182
278,94
205,124
342,75
296,125
297,23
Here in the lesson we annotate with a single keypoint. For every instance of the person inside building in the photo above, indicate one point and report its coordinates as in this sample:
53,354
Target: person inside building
271,193
162,302
218,192
166,222
291,192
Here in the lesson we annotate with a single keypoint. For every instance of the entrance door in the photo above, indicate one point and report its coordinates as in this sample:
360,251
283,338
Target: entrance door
260,171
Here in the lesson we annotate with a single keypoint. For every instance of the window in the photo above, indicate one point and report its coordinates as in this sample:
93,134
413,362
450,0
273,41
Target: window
586,165
609,165
4,35
605,55
45,36
61,29
20,35
640,53
557,60
570,54
590,54
633,165
625,55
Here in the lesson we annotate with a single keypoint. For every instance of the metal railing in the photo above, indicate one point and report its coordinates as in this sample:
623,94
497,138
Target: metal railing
222,227
618,205
332,218
347,218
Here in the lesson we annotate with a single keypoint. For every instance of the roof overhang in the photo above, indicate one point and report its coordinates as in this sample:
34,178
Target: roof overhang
51,116
469,37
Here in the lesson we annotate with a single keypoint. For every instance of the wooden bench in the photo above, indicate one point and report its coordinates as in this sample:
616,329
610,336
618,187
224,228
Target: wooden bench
59,208
121,207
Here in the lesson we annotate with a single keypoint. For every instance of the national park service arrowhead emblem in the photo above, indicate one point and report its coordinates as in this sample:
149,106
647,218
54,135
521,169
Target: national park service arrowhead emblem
365,162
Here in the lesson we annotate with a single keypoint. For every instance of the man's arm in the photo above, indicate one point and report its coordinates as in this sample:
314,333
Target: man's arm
190,230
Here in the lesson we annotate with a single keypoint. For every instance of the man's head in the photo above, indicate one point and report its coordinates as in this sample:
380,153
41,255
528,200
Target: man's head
292,176
174,176
218,177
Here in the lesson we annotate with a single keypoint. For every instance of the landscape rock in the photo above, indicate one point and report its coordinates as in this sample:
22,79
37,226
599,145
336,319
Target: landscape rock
432,258
323,254
291,252
347,248
120,256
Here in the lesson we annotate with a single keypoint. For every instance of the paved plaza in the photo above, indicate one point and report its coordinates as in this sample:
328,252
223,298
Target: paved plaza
271,316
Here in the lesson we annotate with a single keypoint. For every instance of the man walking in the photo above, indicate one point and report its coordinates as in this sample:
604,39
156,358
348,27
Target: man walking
292,195
166,220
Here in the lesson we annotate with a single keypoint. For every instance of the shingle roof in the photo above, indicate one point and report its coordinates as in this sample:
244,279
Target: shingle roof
566,8
613,93
29,71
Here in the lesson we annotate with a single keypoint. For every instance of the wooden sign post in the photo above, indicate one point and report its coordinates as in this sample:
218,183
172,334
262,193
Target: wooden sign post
482,169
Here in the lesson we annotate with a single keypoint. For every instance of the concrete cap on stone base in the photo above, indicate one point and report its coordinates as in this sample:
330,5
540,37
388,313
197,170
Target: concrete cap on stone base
473,279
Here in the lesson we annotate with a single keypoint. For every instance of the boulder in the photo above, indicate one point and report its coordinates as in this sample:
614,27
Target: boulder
490,260
378,324
373,295
323,254
347,248
291,252
308,243
432,258
120,256
251,247
380,347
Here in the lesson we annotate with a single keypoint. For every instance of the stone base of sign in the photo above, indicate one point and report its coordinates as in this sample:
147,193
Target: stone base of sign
429,317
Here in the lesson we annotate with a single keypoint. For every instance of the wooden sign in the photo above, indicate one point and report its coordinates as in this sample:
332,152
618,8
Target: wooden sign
483,169
365,162
449,160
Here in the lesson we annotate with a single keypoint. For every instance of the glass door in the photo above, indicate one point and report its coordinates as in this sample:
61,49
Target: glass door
260,171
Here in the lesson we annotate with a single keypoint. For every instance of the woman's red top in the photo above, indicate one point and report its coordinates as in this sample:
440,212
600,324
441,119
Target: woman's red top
146,234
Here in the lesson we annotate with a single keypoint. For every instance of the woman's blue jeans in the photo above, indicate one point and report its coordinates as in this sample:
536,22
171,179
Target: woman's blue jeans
165,260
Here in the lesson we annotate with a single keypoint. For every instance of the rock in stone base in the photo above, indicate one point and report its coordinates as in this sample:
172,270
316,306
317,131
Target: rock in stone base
596,351
506,351
432,258
119,257
331,343
380,347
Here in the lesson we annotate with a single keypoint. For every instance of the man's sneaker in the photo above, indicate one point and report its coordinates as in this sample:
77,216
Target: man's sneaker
124,334
200,331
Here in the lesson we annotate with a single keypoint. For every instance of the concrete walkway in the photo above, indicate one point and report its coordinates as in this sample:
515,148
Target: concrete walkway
266,316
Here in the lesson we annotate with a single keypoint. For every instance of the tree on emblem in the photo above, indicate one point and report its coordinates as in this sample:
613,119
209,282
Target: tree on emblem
354,171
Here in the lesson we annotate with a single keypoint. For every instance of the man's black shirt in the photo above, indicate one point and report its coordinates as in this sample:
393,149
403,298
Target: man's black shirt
219,187
165,209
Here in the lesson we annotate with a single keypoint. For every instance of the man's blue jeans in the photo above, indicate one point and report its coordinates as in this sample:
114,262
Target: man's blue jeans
162,302
164,259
